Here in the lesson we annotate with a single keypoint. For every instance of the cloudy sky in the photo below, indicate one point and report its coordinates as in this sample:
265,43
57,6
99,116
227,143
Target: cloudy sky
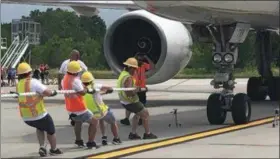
15,11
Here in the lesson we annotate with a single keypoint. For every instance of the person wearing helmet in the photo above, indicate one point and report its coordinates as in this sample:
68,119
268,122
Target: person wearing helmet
75,56
144,64
75,104
100,110
130,100
32,108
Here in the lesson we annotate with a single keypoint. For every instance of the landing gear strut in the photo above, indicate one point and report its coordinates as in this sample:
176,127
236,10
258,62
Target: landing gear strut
225,53
259,87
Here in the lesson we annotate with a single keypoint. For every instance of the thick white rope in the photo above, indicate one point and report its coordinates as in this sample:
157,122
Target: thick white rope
13,95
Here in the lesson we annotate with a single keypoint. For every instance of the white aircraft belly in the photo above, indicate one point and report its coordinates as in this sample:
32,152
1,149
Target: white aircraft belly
260,7
258,13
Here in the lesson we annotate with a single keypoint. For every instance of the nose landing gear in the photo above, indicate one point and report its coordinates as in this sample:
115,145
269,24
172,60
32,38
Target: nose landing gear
225,53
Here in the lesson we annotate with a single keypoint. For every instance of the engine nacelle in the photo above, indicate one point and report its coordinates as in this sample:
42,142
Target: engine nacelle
166,42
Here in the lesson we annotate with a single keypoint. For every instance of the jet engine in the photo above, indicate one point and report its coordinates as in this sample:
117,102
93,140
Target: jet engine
166,42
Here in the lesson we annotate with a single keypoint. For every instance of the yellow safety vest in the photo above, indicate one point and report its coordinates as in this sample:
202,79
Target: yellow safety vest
120,84
30,107
98,109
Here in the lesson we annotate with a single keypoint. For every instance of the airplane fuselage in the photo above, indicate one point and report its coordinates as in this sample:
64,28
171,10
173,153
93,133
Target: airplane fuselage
260,14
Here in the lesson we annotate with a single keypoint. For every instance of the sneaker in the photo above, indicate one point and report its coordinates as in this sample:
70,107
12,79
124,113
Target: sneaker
149,136
80,143
125,122
116,141
42,152
55,152
140,122
104,141
91,145
134,136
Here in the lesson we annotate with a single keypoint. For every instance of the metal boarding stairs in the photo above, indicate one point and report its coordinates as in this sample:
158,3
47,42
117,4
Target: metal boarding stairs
15,52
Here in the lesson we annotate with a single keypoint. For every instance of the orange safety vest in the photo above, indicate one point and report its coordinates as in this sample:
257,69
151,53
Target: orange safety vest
74,102
140,75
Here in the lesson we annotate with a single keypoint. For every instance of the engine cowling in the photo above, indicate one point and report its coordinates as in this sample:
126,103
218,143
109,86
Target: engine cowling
166,42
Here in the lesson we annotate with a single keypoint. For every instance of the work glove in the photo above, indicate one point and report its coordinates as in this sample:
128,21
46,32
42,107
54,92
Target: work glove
92,91
54,93
109,91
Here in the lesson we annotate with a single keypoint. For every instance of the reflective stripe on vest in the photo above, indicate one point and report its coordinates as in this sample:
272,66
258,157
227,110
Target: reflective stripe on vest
30,107
98,109
74,102
123,97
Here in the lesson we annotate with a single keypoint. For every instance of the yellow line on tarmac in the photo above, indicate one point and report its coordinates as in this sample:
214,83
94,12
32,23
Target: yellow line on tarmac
172,141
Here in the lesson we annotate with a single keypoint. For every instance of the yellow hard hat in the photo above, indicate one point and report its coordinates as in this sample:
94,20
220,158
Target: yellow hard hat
132,62
74,67
23,68
87,77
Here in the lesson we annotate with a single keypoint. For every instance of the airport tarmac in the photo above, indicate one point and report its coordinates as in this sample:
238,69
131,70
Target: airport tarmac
188,96
258,142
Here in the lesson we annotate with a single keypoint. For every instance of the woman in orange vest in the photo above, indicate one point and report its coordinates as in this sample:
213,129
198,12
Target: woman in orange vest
75,104
32,108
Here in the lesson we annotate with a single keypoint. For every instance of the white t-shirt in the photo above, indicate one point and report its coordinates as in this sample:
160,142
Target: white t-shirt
63,67
37,86
97,96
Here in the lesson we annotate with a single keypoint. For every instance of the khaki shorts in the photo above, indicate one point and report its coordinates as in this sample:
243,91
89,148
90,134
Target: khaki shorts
134,107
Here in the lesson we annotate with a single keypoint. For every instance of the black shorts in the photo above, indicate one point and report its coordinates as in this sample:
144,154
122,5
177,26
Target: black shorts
134,107
44,124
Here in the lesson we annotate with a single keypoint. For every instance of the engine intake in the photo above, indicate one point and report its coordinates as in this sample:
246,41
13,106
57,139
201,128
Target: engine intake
166,42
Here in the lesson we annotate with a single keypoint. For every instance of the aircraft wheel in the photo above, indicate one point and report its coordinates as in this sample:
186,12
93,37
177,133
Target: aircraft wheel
254,90
274,89
241,108
215,114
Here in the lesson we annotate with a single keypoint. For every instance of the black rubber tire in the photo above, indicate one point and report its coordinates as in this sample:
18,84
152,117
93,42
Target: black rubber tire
215,114
253,89
274,89
238,109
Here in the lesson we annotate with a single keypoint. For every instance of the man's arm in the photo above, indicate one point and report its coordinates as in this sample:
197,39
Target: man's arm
128,84
79,87
83,66
151,63
62,67
42,89
103,88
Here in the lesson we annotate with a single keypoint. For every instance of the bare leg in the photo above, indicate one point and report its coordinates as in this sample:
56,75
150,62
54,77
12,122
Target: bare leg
102,127
145,118
92,130
52,141
146,126
78,130
135,120
127,114
41,137
114,129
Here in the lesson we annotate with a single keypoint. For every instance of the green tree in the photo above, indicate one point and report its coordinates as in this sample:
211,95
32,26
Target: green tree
6,32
